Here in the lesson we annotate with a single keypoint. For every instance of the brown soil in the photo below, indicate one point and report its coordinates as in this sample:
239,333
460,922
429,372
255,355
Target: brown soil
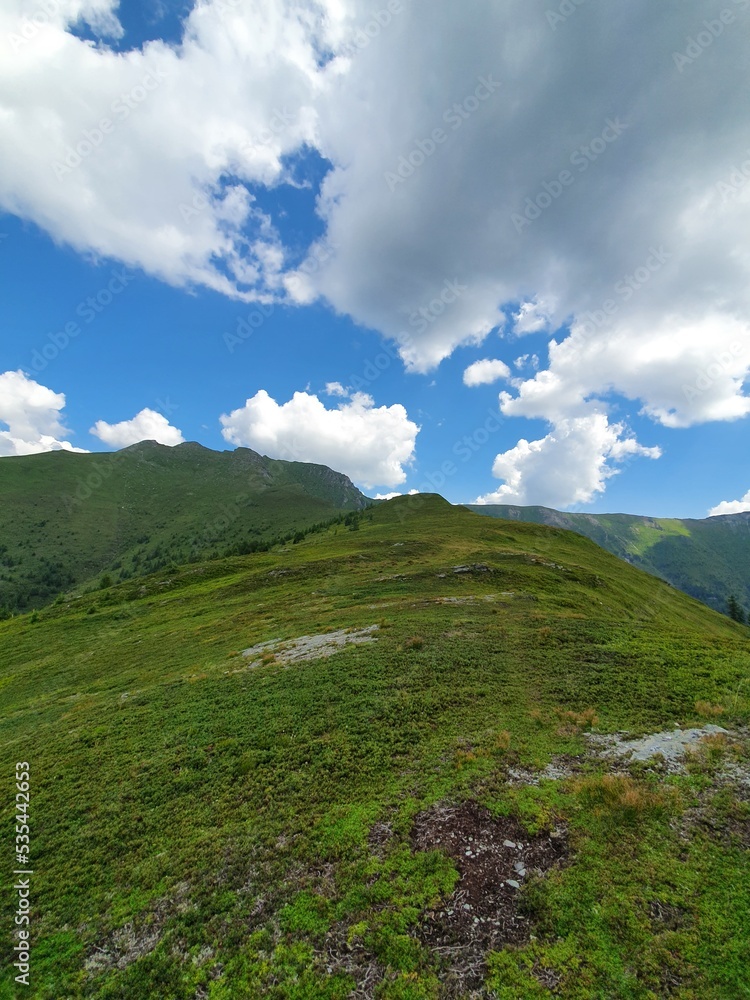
484,912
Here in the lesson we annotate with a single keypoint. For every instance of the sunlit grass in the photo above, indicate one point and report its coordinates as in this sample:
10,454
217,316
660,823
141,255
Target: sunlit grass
204,824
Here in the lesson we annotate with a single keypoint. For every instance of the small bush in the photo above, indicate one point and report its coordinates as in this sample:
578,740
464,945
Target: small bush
414,642
574,722
709,753
620,799
463,757
502,740
708,711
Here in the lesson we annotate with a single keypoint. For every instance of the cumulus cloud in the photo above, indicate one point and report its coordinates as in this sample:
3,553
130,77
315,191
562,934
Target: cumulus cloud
731,506
148,155
148,425
336,389
684,372
32,414
485,372
636,182
370,444
568,466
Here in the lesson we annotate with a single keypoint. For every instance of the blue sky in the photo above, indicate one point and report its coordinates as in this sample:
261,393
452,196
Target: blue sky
382,224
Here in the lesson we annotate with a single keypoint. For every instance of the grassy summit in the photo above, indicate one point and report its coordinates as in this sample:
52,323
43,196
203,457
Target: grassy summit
66,519
212,825
707,558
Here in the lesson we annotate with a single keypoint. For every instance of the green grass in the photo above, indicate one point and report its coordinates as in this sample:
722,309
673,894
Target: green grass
705,558
646,535
69,519
208,826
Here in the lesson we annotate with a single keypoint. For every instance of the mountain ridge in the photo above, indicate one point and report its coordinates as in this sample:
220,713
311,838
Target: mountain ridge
67,518
707,558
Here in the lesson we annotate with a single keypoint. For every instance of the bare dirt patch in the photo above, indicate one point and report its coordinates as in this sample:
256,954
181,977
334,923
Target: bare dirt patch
309,647
494,856
725,823
138,938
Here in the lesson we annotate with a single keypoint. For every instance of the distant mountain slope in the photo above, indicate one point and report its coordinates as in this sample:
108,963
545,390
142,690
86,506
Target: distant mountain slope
708,559
66,518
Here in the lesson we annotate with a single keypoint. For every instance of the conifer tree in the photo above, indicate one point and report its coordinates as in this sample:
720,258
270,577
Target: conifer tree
734,610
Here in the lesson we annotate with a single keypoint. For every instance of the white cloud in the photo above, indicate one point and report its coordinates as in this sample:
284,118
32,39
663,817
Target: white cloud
390,496
148,425
485,372
369,444
651,184
532,317
684,372
336,389
32,413
568,466
731,506
532,360
144,155
37,18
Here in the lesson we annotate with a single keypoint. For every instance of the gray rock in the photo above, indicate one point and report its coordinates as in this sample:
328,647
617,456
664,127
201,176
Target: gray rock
672,746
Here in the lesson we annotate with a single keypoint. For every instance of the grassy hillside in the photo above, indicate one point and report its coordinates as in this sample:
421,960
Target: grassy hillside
68,518
211,825
708,559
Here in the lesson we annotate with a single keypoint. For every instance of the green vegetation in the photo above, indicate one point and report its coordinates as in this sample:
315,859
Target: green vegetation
205,829
69,519
707,559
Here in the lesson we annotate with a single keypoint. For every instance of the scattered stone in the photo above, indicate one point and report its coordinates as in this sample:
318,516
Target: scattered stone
512,882
554,771
469,599
671,745
310,647
509,843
